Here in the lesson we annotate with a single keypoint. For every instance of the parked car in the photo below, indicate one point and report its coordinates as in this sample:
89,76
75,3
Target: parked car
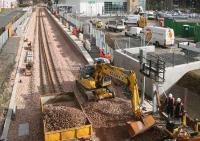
150,15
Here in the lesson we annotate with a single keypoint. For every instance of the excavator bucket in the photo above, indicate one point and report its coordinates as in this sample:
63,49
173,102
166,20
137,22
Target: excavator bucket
138,127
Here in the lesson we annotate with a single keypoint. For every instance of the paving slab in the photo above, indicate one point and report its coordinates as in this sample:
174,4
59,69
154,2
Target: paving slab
23,129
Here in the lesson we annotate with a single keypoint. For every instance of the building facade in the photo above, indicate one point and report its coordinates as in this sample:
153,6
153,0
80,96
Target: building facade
142,3
8,3
173,4
100,7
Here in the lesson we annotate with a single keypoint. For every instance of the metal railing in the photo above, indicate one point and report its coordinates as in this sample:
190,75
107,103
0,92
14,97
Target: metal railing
91,32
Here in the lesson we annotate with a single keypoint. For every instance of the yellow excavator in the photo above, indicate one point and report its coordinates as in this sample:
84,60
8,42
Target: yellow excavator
100,74
93,85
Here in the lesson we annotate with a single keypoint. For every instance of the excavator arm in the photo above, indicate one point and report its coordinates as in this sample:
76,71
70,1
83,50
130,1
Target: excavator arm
126,77
141,122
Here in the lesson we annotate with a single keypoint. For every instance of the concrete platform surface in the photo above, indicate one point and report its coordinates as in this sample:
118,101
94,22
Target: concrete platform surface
9,16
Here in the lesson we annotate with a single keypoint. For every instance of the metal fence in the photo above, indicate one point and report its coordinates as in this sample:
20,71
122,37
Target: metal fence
178,57
91,32
4,36
100,41
20,21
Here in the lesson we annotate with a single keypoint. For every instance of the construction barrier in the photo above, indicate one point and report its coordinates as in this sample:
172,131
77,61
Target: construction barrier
3,38
178,26
101,42
11,27
97,34
20,21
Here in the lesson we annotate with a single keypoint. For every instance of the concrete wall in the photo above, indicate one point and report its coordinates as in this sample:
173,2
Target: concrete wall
172,74
127,62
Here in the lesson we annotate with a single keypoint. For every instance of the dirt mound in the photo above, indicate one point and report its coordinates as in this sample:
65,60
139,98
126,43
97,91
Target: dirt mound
191,80
62,117
109,113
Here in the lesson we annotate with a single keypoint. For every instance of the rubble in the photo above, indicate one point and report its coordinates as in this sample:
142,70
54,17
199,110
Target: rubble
59,117
109,112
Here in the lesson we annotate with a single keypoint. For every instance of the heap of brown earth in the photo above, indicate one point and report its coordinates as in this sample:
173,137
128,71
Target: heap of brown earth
58,117
109,113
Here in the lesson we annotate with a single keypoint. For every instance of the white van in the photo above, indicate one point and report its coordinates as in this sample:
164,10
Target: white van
160,36
132,19
133,31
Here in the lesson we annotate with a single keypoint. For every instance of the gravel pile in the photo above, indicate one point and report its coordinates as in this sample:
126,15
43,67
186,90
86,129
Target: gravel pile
58,117
109,113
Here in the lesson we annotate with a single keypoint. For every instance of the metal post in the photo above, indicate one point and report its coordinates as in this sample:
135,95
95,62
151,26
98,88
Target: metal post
76,19
187,56
129,45
173,59
91,12
155,88
143,89
143,80
185,96
96,9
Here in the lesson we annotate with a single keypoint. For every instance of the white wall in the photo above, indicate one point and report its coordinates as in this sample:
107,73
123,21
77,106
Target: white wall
7,3
172,74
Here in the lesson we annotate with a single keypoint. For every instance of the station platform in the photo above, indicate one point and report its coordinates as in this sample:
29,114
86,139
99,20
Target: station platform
9,17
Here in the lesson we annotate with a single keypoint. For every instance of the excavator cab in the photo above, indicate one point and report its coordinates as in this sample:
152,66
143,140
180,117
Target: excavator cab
93,86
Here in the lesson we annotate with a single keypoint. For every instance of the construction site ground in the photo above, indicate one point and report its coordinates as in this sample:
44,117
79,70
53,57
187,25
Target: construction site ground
108,117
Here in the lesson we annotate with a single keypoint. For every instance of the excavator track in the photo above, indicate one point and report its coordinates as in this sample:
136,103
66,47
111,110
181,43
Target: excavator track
91,95
88,95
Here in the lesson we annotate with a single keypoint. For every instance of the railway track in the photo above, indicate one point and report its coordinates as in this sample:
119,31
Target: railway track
49,78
